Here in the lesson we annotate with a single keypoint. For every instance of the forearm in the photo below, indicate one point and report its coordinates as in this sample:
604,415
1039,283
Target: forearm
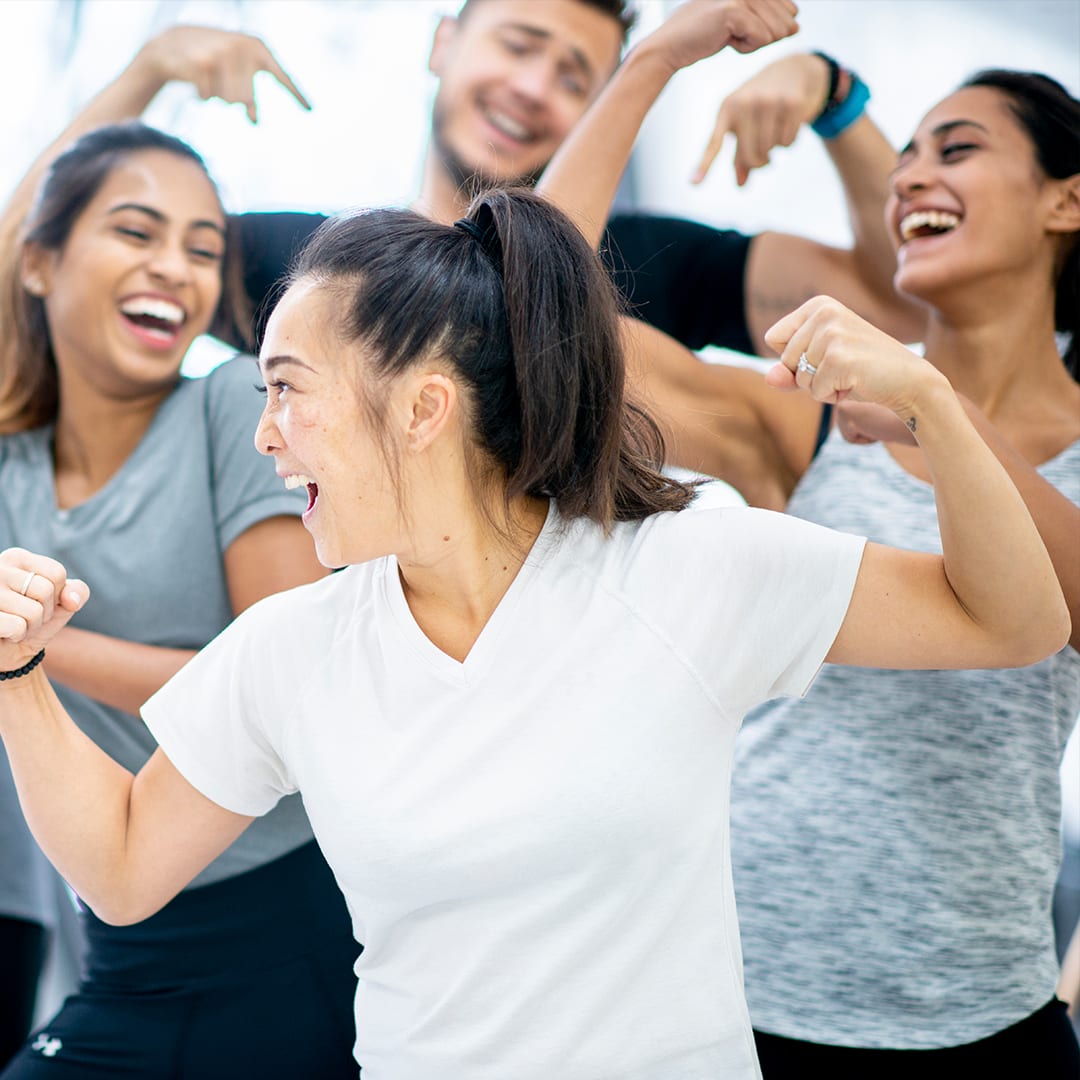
584,174
995,560
74,796
118,673
864,160
1055,516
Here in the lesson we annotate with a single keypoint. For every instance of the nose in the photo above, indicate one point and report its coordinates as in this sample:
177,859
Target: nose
911,176
532,81
169,262
268,439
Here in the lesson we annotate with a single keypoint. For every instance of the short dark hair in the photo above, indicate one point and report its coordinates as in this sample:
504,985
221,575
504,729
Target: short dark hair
622,11
29,390
1051,117
519,306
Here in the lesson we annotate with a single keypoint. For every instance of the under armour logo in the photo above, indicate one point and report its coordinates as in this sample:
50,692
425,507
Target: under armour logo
43,1044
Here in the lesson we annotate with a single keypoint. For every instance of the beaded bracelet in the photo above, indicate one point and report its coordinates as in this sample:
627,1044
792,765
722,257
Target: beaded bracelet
845,103
25,669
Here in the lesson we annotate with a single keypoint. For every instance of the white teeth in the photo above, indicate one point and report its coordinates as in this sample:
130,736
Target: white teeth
295,480
509,126
155,308
922,219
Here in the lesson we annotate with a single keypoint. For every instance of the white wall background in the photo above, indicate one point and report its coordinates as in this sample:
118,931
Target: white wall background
363,64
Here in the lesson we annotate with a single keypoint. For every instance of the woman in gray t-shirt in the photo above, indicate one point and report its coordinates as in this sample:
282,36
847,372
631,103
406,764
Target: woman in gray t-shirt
151,484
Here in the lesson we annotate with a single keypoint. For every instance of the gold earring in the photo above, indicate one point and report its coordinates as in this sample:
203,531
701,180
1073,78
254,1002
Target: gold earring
34,285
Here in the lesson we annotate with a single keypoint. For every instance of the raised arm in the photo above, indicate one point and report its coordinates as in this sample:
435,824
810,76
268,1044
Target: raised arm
1055,515
218,63
722,420
784,270
126,844
992,599
583,176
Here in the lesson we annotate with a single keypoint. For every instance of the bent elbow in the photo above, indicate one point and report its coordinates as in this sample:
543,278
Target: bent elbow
1045,635
121,911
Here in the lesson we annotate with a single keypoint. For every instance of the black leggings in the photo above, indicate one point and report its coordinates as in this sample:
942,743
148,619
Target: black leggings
22,947
249,977
1042,1046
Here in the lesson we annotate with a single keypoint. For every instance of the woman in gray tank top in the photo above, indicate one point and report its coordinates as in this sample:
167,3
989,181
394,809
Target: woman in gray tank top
895,836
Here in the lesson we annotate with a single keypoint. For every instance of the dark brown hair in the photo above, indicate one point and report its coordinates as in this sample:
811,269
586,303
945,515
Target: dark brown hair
515,300
1051,117
620,10
29,389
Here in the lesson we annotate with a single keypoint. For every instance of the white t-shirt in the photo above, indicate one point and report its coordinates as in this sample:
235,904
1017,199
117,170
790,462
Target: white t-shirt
533,843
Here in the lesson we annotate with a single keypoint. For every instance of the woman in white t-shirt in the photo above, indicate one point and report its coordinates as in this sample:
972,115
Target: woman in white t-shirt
512,717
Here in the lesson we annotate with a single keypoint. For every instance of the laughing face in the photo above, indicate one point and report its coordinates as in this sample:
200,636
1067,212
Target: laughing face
315,428
969,202
514,78
138,278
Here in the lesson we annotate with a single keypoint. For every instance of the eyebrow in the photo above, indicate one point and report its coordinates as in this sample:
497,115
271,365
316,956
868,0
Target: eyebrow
282,360
162,219
545,35
945,128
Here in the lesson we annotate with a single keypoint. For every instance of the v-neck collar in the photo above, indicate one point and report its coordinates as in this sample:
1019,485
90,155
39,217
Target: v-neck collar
485,647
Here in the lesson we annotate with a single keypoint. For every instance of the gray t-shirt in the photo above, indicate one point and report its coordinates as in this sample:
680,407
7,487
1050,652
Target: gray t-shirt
150,544
895,834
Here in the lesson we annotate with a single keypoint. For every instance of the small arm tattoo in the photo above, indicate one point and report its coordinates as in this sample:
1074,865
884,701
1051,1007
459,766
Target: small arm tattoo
911,425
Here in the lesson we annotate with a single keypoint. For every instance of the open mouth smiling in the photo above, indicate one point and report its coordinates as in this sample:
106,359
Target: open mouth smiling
295,480
508,126
155,318
920,223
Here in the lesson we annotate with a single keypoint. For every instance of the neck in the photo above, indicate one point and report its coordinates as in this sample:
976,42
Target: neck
441,198
460,566
93,438
1000,354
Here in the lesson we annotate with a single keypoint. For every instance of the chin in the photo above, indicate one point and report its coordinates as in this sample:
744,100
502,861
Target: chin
502,170
922,282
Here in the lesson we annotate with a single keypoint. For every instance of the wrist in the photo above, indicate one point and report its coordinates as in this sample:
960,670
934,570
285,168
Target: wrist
651,57
149,70
845,101
933,405
24,669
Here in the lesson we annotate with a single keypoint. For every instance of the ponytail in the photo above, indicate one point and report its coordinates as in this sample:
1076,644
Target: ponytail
517,302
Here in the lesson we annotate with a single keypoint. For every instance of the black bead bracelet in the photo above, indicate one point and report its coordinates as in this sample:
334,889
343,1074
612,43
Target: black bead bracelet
25,669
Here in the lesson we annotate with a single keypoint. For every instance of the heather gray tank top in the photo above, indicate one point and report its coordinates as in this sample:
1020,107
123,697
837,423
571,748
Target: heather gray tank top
895,834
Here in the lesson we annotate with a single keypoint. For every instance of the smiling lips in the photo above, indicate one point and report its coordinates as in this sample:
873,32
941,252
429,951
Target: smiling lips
155,318
921,223
508,126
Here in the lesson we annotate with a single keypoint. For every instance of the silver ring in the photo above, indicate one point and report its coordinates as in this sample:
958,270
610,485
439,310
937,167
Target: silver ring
26,584
805,365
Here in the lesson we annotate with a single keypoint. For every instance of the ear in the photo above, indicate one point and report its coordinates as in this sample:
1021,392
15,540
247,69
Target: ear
441,45
433,402
35,270
1064,214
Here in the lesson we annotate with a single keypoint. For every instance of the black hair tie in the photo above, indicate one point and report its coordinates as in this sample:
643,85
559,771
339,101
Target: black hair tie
480,225
470,227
